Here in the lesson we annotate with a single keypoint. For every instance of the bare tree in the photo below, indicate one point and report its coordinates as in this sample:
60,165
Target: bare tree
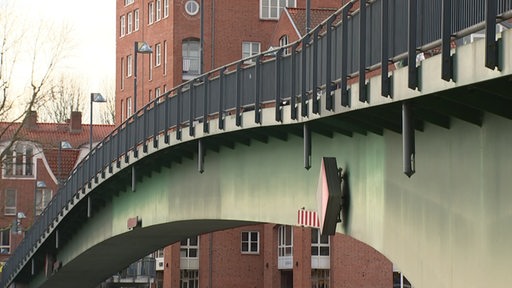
65,95
43,48
108,111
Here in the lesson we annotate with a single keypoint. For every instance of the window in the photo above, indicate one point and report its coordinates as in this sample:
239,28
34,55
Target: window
271,9
130,22
122,26
189,278
319,243
123,116
43,197
128,2
157,92
158,10
166,8
399,280
165,57
192,7
128,107
284,247
129,66
5,245
10,202
319,278
136,20
158,54
123,73
150,95
283,41
250,242
151,13
190,248
285,241
191,58
151,68
250,49
19,161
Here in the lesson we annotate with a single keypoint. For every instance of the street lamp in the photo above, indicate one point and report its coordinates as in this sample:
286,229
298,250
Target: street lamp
95,97
142,48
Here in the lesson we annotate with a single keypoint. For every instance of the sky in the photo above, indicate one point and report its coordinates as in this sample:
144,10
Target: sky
92,24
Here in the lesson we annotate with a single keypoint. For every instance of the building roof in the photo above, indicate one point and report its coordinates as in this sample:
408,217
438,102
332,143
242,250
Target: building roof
68,160
49,135
298,17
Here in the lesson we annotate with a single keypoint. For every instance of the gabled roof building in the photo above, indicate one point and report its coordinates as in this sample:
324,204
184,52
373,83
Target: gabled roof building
38,159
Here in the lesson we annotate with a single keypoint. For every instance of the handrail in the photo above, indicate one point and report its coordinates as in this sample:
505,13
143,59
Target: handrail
237,85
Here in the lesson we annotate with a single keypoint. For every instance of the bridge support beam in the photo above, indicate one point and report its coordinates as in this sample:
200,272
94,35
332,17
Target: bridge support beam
408,144
200,156
307,145
491,45
447,59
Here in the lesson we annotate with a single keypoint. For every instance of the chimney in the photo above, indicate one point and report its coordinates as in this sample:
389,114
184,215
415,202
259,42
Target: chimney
31,120
75,124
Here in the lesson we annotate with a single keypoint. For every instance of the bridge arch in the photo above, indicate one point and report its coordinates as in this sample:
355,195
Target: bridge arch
439,218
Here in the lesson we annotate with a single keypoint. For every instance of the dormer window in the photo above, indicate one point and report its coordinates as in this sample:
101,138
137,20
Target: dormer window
18,161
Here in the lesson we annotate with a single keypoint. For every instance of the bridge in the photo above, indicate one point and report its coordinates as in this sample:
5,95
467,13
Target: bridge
425,145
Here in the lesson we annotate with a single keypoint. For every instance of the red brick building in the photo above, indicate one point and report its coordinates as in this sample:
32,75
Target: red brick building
276,256
41,157
265,255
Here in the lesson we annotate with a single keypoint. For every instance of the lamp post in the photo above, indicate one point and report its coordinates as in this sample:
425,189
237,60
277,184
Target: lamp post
95,97
142,48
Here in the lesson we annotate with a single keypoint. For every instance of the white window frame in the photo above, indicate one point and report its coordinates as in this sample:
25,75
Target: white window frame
400,281
151,67
18,163
320,250
123,111
247,242
189,253
130,23
5,248
10,209
158,10
158,54
248,49
321,242
123,71
285,247
136,20
283,41
128,2
165,57
187,246
267,9
122,26
45,196
151,13
157,92
129,65
128,107
166,8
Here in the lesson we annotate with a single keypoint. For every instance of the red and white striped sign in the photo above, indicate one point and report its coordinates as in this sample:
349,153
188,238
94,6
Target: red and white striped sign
308,218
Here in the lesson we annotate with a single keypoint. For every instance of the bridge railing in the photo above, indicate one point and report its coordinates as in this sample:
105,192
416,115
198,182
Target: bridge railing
340,49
